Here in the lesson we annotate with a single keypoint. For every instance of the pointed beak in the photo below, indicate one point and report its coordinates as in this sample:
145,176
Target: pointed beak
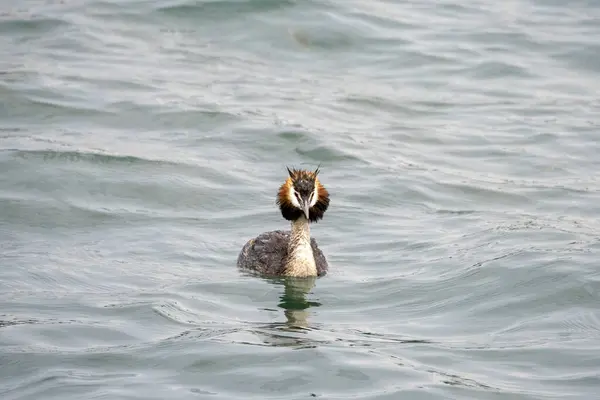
306,208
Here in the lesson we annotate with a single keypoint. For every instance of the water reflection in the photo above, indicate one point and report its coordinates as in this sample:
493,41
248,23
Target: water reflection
294,301
296,309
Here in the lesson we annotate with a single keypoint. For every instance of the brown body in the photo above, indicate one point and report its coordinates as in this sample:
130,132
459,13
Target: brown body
267,254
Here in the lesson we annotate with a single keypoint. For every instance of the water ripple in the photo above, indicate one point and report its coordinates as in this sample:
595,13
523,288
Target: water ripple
142,143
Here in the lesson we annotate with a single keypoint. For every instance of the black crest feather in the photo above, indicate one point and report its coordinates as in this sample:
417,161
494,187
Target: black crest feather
304,183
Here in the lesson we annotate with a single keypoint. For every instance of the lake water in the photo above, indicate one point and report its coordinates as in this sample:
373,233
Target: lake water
142,143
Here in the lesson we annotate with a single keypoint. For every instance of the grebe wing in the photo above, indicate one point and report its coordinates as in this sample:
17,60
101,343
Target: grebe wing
320,259
266,253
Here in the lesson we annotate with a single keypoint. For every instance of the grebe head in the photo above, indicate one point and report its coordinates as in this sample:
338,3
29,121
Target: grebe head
303,195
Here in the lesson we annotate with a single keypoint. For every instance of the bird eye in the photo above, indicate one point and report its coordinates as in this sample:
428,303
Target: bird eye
297,195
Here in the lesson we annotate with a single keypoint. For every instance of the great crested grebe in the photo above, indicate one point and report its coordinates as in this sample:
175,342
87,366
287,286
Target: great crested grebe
302,200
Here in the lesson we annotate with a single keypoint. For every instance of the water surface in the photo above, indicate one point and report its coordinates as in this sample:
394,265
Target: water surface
143,142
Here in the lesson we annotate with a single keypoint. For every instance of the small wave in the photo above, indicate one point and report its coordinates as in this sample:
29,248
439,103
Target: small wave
224,9
8,320
29,23
497,70
84,156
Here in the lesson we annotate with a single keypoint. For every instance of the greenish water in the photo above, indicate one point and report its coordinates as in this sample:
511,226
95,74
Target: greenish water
142,143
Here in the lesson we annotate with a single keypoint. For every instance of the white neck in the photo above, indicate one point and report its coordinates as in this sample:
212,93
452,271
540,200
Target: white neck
301,261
